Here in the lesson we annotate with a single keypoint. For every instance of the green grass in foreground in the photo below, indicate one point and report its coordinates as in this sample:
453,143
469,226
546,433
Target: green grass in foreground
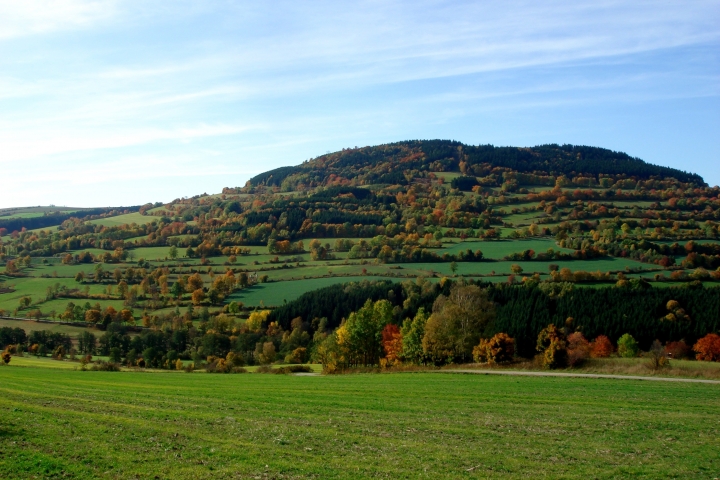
125,425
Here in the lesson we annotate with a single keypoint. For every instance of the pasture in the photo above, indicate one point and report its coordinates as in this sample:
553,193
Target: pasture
32,325
63,423
127,218
499,249
274,293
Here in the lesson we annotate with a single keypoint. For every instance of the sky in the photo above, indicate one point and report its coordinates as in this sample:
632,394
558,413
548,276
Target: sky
118,103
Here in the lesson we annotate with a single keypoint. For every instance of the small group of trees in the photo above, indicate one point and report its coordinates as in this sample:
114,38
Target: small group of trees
449,334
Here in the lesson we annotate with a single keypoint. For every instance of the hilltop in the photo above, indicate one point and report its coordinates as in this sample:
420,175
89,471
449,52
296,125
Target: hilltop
386,164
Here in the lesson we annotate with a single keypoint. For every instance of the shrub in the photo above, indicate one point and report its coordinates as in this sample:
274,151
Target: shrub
298,369
106,367
296,356
578,349
552,344
217,365
708,348
221,365
677,350
59,353
498,349
601,347
284,370
627,346
235,359
5,357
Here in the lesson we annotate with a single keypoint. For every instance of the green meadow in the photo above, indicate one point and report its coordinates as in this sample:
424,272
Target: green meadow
59,423
275,293
128,218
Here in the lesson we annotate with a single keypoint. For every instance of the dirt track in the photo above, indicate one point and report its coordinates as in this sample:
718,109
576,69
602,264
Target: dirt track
579,375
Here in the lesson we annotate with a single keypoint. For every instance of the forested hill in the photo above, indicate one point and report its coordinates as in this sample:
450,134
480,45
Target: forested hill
388,164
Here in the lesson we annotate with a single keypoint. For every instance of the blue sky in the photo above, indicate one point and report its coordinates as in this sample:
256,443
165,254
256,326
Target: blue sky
106,103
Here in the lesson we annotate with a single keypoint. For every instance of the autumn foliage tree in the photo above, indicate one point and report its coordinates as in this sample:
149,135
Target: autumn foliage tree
194,282
392,341
93,316
601,347
552,345
677,350
457,323
708,348
198,296
578,349
498,349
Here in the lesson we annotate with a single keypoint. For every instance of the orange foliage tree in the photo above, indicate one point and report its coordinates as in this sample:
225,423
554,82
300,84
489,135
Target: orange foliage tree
601,347
198,296
498,349
392,343
708,348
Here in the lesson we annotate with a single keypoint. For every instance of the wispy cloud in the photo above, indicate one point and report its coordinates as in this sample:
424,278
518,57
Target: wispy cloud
148,79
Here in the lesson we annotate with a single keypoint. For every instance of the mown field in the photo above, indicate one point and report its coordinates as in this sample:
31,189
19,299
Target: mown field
72,424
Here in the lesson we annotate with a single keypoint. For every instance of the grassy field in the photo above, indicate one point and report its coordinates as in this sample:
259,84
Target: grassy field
60,423
499,249
31,326
43,362
274,293
36,288
123,219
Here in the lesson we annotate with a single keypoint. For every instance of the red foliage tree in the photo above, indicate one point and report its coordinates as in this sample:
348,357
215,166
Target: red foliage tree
677,350
578,349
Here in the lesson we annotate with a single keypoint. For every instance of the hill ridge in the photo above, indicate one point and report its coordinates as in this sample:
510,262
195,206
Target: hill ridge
379,163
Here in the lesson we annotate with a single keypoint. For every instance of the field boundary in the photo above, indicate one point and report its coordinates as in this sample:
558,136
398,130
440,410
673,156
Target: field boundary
578,375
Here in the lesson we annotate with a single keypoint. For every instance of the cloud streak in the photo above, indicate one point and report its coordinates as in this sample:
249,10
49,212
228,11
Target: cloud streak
121,80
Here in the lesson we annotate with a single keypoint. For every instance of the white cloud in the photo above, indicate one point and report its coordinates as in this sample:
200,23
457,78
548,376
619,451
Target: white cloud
27,17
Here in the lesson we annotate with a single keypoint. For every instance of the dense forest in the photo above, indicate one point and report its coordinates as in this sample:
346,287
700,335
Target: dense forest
445,155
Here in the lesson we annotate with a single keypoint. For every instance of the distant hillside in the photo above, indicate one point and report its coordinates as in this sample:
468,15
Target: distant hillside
385,164
44,217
